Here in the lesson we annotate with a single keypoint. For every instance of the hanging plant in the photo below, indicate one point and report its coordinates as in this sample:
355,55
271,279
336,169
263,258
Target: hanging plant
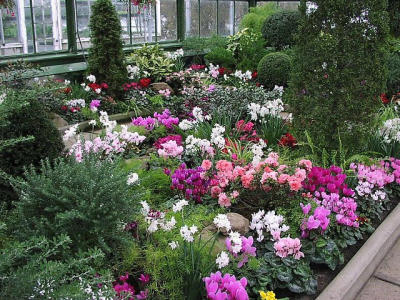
142,3
8,4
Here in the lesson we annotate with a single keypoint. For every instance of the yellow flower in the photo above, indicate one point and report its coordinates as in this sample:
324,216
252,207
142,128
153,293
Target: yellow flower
267,296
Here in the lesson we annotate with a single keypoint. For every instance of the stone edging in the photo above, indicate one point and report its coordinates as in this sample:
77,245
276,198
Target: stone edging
84,125
349,282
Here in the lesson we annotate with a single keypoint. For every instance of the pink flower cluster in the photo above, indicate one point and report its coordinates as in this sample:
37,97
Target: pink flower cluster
166,119
170,149
125,290
191,182
225,287
265,175
320,219
330,190
246,250
113,143
160,141
288,246
394,163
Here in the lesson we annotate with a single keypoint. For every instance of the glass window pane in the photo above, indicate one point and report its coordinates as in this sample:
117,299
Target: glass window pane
167,20
241,8
83,13
226,17
290,5
122,12
192,18
9,42
208,18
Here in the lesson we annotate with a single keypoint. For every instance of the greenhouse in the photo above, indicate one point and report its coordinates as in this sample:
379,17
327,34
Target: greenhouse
200,149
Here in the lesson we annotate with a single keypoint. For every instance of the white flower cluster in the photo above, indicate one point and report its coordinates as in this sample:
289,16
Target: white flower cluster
178,206
41,289
2,97
132,178
173,245
214,72
217,137
257,150
222,259
365,188
390,131
71,132
187,125
243,76
198,115
195,145
311,7
91,78
222,222
76,102
270,222
156,222
258,112
188,233
133,71
175,55
105,120
236,241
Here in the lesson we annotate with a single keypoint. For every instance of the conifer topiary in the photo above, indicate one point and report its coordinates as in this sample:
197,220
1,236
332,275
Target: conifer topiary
339,69
106,56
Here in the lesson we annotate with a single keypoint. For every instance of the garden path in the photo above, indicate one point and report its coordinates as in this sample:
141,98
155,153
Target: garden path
384,284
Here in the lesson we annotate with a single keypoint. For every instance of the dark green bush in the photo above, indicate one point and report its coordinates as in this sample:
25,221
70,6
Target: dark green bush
279,28
393,81
222,57
106,58
339,70
274,69
25,118
394,14
87,201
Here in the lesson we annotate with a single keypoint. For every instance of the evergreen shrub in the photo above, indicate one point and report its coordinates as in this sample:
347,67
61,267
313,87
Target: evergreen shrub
339,70
274,69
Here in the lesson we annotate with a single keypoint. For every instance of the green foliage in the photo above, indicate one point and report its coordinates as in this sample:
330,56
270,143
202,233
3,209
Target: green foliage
22,116
339,70
257,15
32,269
272,128
153,60
279,29
275,272
274,69
394,14
393,79
87,201
323,250
106,57
222,57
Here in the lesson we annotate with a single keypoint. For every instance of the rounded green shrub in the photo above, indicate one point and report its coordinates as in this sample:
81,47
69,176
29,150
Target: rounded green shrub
279,29
88,201
394,14
393,81
274,69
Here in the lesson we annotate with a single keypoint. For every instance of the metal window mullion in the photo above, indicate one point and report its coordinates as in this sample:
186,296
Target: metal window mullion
155,21
217,17
43,24
130,22
71,24
182,19
234,17
3,42
199,19
33,26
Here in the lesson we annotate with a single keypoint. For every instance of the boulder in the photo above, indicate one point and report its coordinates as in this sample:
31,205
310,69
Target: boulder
57,120
158,86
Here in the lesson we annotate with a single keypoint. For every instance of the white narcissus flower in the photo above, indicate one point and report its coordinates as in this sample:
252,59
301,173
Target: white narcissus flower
178,206
187,233
71,132
67,82
169,225
132,178
173,245
222,260
222,221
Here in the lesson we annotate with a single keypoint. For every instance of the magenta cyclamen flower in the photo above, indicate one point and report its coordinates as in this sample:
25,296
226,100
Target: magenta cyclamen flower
124,289
148,122
166,119
246,250
94,104
160,141
226,287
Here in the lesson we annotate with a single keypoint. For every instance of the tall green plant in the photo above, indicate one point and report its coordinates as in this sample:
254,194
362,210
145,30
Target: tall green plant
257,15
339,69
106,58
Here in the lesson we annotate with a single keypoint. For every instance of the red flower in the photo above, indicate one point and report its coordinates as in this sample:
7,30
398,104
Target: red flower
104,85
384,99
64,108
197,67
221,71
254,74
258,84
94,86
287,140
67,90
144,82
326,76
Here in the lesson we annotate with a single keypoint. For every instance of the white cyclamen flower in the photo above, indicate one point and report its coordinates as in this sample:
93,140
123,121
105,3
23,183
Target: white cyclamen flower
2,97
132,178
92,122
178,206
91,78
222,221
71,132
145,208
236,241
222,260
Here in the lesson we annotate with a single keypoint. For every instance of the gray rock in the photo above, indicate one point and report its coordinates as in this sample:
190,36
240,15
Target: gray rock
158,86
57,120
